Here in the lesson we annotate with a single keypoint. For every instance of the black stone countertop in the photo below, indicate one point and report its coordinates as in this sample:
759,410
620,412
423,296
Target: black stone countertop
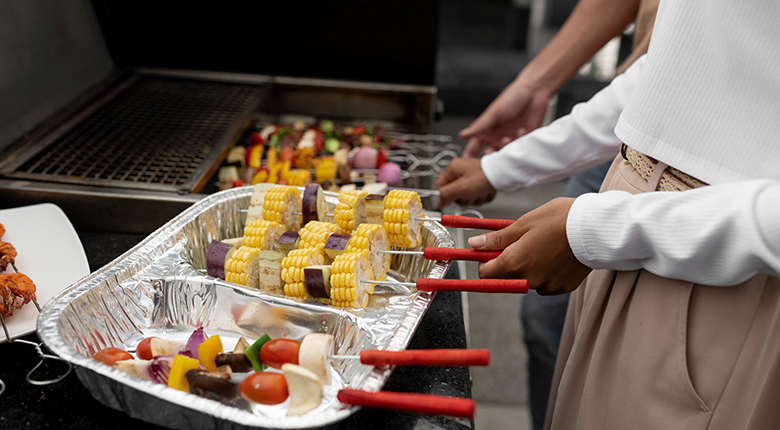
68,405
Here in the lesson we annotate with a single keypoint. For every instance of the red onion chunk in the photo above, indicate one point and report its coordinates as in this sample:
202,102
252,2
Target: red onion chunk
196,338
391,173
160,368
365,158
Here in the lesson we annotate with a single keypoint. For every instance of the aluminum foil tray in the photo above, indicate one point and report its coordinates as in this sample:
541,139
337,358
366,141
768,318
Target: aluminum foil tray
156,289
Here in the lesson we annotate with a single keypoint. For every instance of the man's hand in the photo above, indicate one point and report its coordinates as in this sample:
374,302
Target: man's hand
535,248
518,110
463,182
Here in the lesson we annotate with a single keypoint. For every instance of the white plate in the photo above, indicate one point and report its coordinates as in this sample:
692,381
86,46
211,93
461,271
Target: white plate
49,252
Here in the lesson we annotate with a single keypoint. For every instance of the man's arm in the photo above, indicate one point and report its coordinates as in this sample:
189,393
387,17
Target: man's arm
521,107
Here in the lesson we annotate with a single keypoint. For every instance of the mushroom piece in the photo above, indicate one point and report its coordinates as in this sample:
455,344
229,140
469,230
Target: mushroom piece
314,353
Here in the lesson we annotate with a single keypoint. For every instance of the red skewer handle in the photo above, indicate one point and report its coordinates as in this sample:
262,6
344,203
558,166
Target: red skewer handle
516,286
426,357
433,253
456,221
409,402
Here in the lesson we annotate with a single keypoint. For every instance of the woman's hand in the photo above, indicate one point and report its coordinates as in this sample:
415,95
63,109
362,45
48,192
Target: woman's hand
535,248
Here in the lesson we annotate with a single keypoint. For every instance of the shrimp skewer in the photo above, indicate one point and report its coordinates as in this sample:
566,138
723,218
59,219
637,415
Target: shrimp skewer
16,290
7,256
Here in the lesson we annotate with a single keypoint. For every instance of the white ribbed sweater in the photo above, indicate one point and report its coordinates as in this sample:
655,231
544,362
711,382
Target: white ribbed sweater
705,100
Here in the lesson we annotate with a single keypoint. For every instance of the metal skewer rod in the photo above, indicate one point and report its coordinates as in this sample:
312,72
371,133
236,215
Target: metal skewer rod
5,329
434,253
33,299
516,286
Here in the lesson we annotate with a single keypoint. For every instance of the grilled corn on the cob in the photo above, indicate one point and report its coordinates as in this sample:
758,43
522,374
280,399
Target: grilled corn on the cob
345,286
283,204
402,208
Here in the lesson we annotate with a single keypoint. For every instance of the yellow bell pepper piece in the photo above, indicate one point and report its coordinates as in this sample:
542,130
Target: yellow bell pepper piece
273,177
177,377
284,173
208,350
270,159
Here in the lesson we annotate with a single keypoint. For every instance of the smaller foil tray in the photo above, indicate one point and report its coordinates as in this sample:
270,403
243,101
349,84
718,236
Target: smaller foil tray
157,289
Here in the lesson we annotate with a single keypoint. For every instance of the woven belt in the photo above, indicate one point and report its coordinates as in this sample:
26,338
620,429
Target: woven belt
671,179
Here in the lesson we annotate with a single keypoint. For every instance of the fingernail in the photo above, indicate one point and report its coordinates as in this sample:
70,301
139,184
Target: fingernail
477,241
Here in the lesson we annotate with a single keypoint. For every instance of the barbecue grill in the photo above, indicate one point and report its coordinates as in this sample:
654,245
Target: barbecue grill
115,123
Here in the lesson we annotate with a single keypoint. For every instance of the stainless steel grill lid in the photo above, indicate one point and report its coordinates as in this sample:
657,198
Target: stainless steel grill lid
157,134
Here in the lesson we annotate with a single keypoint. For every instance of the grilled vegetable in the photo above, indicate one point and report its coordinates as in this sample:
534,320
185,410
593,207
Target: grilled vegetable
217,255
253,353
208,351
237,361
313,205
111,355
137,368
314,353
375,209
402,207
292,270
269,271
181,365
372,238
256,202
242,268
315,234
299,177
210,387
281,204
350,211
305,389
266,388
277,352
317,279
262,234
160,347
345,286
288,241
336,245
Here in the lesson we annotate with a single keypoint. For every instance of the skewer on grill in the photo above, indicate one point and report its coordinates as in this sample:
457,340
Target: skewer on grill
421,357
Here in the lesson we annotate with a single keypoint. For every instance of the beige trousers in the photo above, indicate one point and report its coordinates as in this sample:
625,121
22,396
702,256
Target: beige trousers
643,352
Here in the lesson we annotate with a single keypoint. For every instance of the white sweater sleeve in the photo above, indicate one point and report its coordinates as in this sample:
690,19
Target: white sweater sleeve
574,143
715,235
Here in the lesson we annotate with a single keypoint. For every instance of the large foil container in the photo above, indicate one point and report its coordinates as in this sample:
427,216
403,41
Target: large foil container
158,288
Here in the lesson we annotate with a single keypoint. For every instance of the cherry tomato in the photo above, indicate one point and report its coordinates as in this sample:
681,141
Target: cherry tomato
111,355
266,388
287,154
144,349
279,351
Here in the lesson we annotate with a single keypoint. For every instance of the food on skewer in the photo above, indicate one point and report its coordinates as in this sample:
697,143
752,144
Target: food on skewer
283,204
262,234
243,266
350,211
402,210
345,286
292,271
16,290
7,255
372,238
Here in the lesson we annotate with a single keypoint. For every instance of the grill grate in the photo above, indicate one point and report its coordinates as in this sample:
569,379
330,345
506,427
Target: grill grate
154,135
